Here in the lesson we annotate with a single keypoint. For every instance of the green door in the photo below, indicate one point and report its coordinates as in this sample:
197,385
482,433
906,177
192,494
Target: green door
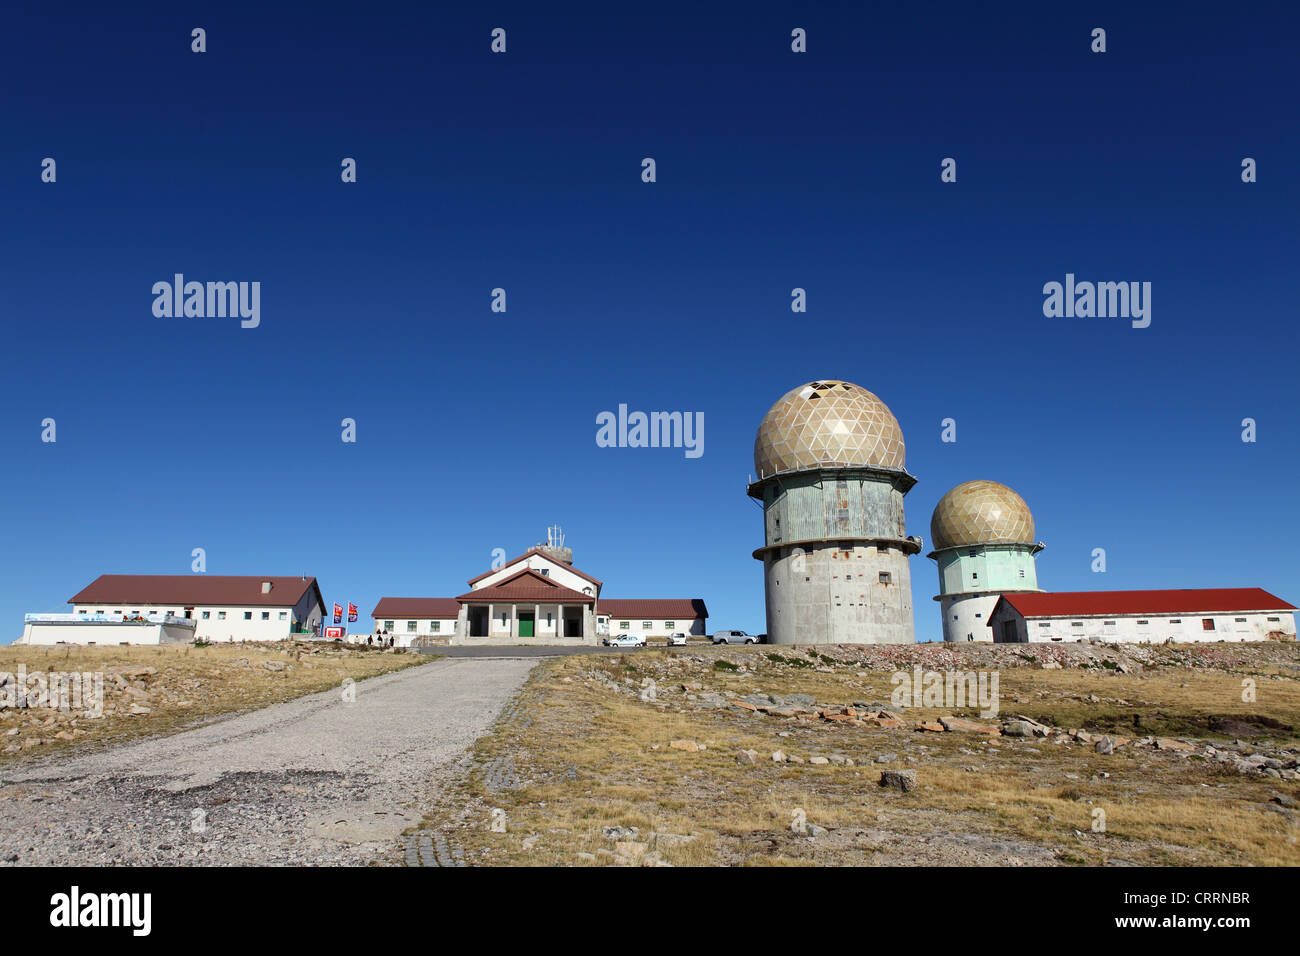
525,624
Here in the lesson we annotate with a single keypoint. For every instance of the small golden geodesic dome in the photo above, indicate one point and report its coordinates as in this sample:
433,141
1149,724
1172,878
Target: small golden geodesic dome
981,512
826,424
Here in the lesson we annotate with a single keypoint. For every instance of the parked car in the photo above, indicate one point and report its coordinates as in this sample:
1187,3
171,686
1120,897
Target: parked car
625,640
734,637
676,640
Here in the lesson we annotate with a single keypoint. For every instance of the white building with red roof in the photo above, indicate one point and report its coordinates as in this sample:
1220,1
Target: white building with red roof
1148,617
170,608
538,597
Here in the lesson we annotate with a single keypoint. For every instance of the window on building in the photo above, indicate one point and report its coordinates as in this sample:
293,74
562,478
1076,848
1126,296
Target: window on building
1076,624
1109,623
410,626
388,625
284,615
1143,623
206,615
1240,620
970,554
101,611
436,626
1207,624
221,615
266,615
979,615
1022,572
974,575
1175,620
546,572
1044,623
646,625
1274,620
886,577
248,615
669,625
624,625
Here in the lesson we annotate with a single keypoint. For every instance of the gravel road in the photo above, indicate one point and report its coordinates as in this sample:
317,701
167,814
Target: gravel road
310,781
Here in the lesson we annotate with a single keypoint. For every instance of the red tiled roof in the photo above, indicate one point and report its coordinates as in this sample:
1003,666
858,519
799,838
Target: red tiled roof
526,587
1186,601
232,590
654,608
393,607
550,557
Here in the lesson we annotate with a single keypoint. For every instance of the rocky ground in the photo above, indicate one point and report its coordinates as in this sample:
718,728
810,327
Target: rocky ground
1098,754
153,690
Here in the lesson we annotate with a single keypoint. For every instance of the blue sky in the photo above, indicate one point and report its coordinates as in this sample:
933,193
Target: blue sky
522,171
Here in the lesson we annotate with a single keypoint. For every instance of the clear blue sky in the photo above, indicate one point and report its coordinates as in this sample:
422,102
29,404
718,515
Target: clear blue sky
775,170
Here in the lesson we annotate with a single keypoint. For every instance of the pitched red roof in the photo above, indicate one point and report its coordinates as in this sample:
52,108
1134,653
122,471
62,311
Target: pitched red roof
234,590
526,587
550,557
654,608
393,607
1185,601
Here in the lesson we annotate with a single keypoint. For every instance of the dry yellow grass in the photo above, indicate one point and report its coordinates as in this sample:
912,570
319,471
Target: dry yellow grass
587,757
191,684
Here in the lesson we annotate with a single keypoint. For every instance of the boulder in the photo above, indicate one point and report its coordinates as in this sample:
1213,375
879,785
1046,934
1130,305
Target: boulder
969,726
904,780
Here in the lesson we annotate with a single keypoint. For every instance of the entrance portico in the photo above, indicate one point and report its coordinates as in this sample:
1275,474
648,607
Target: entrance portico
527,606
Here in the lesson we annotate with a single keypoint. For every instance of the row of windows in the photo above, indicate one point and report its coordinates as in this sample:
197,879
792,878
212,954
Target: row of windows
1207,623
435,626
207,615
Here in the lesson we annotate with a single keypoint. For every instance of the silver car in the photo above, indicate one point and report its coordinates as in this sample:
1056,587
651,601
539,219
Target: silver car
677,640
734,637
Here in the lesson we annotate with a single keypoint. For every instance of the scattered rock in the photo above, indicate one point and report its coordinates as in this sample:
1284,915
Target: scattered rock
904,780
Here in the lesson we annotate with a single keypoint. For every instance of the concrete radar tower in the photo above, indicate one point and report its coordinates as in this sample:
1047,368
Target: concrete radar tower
829,457
983,537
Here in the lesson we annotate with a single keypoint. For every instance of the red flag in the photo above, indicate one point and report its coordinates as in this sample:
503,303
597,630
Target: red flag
338,613
352,611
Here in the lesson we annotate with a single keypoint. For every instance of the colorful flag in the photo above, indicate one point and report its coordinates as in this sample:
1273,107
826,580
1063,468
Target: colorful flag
352,611
338,613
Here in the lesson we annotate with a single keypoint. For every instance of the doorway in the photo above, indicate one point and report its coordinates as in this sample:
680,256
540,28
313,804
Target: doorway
526,623
478,622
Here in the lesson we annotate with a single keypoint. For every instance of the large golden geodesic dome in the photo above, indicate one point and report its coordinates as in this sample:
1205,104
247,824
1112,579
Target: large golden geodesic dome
981,512
826,424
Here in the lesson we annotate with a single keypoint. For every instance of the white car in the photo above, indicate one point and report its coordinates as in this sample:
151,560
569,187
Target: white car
625,640
677,640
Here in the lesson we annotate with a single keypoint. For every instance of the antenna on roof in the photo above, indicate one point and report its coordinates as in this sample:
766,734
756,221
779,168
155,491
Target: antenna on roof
555,545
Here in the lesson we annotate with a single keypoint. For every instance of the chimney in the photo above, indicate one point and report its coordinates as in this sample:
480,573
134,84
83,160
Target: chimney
266,587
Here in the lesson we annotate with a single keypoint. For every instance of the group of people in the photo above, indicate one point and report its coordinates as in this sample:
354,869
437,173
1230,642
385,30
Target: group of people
382,638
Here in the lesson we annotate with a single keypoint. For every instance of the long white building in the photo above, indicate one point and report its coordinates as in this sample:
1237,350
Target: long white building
1147,617
221,607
